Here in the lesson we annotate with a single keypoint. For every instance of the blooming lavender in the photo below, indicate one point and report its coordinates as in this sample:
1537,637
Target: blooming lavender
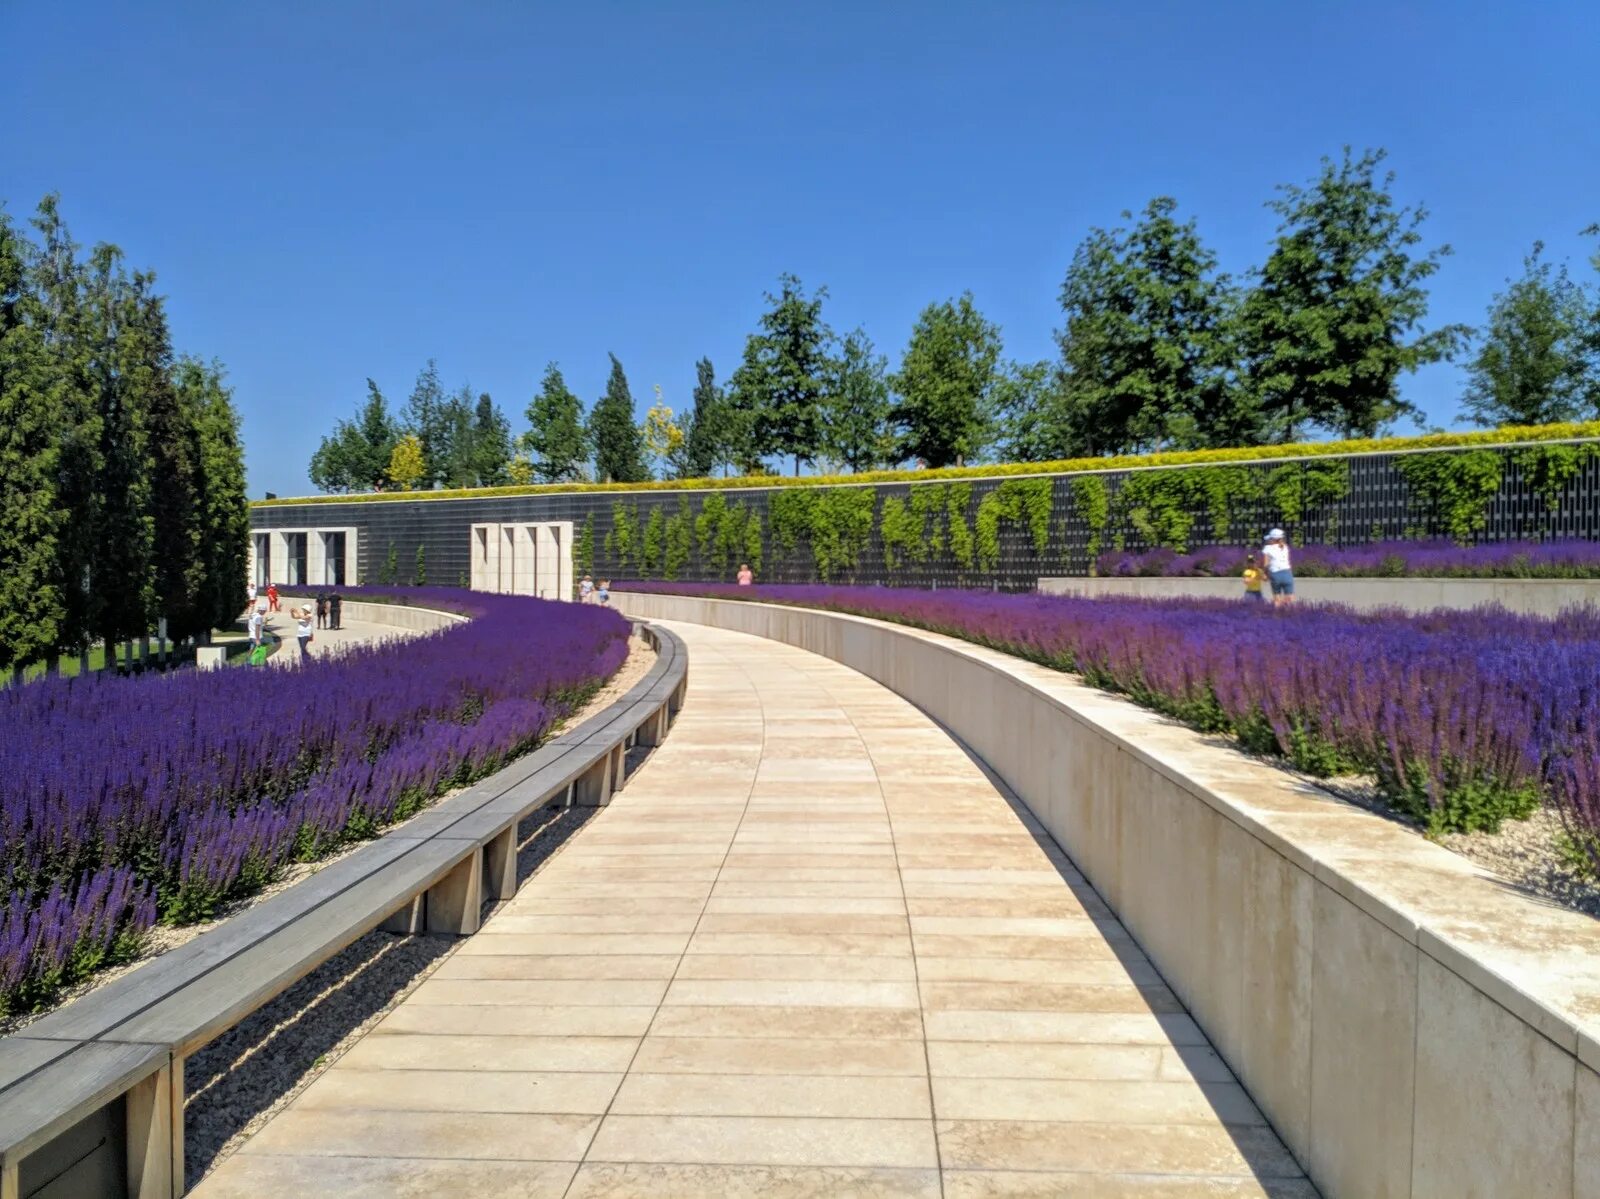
1559,559
128,800
1465,718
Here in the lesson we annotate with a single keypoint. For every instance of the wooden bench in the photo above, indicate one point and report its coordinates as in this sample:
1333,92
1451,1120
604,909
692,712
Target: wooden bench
92,1095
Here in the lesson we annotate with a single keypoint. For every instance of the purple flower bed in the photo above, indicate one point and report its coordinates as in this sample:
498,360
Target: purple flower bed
1465,718
124,801
1382,559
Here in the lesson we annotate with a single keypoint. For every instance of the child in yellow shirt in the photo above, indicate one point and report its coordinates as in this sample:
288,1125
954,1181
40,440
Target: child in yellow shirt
1254,576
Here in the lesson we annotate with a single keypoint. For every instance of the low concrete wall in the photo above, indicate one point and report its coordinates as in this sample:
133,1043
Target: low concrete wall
399,616
1410,1026
1537,597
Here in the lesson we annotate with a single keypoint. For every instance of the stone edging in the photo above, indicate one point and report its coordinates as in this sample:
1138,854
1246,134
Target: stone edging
1408,1024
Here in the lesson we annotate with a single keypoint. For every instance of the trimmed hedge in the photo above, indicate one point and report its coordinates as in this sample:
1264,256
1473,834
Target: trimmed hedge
1510,435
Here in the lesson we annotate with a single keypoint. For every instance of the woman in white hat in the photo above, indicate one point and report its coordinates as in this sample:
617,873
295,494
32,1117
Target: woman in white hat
1275,558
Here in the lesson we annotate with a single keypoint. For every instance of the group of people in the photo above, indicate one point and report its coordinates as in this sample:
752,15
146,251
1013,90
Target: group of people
1269,568
588,593
322,613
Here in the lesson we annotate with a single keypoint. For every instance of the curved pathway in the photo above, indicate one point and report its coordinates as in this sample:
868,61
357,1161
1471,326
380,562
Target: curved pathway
812,949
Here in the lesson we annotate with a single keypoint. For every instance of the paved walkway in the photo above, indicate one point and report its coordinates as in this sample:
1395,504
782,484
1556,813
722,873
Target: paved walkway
282,626
810,950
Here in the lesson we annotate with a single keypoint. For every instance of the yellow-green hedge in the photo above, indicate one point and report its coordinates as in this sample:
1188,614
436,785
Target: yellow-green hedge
1309,449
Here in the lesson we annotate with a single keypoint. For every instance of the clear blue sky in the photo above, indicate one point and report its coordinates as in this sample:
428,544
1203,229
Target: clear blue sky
335,190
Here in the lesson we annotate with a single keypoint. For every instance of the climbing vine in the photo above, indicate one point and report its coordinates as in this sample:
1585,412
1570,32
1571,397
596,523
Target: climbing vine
957,499
901,533
585,547
1548,469
679,541
836,523
1089,494
1296,488
620,538
1457,488
650,552
1014,500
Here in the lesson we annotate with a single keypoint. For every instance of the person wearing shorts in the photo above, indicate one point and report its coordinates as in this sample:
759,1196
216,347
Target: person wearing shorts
1275,559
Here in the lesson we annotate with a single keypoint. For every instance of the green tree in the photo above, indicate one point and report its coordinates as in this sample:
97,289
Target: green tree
1538,362
224,511
1035,423
618,441
557,440
945,385
856,417
121,578
777,391
491,444
31,521
174,464
1333,320
708,439
427,416
455,457
59,286
1146,351
407,465
355,457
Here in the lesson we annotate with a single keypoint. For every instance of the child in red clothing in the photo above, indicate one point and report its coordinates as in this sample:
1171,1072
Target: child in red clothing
272,596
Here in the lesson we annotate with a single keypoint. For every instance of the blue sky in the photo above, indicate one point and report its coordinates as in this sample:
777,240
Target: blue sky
336,190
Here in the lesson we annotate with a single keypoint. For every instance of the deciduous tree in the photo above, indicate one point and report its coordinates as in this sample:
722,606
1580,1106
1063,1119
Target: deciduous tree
855,428
407,466
1537,361
556,440
1334,319
355,457
945,385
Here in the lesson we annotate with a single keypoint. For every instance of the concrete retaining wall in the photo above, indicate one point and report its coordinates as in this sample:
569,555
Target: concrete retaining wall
1410,1025
399,616
1538,597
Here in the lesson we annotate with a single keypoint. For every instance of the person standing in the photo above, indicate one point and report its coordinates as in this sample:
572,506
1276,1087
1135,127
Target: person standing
745,576
255,624
302,631
1275,558
250,592
322,609
586,590
272,596
603,595
1254,576
335,609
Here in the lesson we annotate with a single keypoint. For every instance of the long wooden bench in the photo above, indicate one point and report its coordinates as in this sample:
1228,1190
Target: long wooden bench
92,1095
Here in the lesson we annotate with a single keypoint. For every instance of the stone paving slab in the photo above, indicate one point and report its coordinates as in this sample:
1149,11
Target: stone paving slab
810,950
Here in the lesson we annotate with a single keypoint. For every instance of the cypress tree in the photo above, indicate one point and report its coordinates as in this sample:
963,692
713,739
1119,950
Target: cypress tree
31,612
58,290
618,440
220,493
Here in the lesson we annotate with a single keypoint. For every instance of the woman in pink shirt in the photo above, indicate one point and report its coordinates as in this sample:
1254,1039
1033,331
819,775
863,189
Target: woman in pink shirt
745,577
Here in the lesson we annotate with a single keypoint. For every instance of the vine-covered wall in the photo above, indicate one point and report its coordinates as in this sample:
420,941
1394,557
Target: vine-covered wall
1001,532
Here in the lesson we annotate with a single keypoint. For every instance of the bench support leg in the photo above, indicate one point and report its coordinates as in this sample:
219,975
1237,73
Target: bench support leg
10,1180
653,731
619,767
455,902
155,1135
408,921
500,865
675,701
593,788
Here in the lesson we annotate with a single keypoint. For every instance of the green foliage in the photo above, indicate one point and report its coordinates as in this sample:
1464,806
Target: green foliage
1332,324
776,396
617,440
679,541
957,502
1470,801
727,534
946,382
855,429
420,575
1094,505
752,541
1538,360
1548,469
429,417
224,510
900,532
31,521
710,438
836,523
585,549
1296,488
1307,450
389,572
1146,353
1014,500
355,456
556,441
651,550
1457,488
619,543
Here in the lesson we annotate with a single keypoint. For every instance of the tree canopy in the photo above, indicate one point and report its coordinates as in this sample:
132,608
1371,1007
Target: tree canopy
945,386
617,440
556,440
